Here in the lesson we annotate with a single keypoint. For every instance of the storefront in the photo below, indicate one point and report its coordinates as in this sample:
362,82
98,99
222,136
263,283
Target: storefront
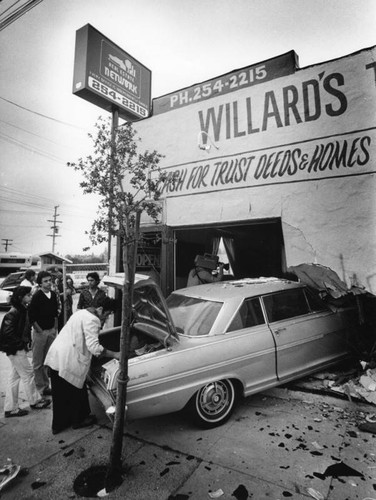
274,164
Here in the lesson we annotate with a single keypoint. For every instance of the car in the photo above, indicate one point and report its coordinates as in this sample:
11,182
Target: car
211,344
12,281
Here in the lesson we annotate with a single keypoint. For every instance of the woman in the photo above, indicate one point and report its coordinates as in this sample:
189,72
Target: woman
91,296
69,358
15,338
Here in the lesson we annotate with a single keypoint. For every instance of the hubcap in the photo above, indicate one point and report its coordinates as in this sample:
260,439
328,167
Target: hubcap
214,399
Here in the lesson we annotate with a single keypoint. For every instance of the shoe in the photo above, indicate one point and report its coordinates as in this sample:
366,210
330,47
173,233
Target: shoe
57,430
47,392
86,422
15,413
41,404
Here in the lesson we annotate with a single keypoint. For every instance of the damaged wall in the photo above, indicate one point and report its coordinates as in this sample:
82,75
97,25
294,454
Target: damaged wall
257,144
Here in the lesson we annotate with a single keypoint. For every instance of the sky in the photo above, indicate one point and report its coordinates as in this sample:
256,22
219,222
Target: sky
43,125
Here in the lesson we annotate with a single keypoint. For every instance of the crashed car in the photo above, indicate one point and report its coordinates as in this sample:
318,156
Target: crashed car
209,345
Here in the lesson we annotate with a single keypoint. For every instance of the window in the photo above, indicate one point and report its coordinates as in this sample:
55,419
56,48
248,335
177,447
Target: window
249,314
193,316
315,303
286,304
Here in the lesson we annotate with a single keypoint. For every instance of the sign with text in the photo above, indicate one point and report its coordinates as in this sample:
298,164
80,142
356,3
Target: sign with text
283,65
109,77
341,156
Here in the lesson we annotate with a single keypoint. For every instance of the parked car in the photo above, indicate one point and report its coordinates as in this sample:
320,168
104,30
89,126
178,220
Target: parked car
12,281
208,345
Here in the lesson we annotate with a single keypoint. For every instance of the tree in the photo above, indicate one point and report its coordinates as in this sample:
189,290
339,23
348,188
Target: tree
128,184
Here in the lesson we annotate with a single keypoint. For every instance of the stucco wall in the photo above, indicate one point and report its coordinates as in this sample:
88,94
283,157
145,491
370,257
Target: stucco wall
300,147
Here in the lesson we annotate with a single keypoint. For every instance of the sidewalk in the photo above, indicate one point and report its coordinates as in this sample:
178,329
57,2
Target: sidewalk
277,445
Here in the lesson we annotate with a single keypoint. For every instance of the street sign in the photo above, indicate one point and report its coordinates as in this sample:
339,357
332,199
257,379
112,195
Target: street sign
107,76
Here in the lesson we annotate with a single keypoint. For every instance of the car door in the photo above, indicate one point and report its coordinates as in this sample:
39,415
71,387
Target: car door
307,334
255,347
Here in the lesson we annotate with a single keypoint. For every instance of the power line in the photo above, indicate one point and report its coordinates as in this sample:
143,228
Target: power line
23,194
25,203
32,133
18,13
30,148
6,10
40,114
23,225
45,203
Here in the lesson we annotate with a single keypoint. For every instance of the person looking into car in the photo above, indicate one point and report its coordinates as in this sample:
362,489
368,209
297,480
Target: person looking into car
200,275
15,338
92,296
44,310
69,359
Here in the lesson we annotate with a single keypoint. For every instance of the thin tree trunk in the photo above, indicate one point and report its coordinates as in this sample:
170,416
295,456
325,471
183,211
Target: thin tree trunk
114,473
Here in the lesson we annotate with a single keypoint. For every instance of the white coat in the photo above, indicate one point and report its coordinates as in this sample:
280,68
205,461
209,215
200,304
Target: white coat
71,352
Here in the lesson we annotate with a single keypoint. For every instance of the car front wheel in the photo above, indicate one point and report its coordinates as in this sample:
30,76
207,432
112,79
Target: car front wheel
213,404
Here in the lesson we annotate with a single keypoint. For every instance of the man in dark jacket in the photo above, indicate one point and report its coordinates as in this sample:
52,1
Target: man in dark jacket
14,341
43,312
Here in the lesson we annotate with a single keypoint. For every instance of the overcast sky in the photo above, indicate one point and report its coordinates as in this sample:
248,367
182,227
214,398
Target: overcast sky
43,125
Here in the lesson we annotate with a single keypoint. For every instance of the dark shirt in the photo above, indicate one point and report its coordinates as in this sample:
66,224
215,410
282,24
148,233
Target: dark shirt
44,310
87,300
15,331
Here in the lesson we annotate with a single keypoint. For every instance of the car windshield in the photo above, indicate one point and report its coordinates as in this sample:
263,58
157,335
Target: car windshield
12,280
192,316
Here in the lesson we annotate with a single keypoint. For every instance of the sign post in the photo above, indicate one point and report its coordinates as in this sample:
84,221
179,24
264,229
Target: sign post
110,78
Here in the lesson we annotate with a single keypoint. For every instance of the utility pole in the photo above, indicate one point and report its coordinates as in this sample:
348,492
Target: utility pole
6,244
55,228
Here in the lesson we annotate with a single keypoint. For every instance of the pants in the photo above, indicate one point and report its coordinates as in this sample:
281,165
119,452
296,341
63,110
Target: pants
70,405
41,343
21,371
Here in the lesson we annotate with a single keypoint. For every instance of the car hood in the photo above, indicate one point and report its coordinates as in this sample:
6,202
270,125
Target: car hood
150,311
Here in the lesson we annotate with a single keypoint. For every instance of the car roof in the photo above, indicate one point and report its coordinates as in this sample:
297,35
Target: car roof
246,287
117,279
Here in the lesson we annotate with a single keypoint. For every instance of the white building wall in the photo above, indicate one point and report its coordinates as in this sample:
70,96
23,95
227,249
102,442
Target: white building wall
328,211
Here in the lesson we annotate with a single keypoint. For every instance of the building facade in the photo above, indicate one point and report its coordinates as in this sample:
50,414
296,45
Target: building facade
274,163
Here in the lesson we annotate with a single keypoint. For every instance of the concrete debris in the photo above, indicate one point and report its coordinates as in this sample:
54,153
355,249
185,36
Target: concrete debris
216,494
8,472
363,387
315,494
324,279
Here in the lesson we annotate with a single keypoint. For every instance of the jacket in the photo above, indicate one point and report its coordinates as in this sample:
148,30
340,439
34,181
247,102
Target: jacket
15,331
71,352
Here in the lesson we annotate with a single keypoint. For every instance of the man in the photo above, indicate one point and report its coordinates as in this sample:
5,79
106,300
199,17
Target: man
69,359
29,280
44,310
91,296
200,275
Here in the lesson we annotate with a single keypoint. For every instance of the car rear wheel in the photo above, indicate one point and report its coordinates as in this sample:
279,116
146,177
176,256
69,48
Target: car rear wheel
213,404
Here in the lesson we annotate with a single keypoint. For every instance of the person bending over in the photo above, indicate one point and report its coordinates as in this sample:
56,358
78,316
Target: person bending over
69,359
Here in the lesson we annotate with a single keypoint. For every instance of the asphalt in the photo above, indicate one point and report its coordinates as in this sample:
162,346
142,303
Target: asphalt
279,444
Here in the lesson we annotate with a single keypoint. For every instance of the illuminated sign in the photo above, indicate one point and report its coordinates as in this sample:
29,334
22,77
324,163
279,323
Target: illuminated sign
109,77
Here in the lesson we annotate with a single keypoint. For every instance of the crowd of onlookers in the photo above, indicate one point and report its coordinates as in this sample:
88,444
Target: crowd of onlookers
61,341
